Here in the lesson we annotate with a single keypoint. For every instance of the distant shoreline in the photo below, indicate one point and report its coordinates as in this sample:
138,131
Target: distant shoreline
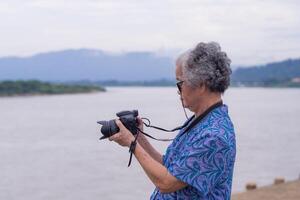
40,94
37,88
172,83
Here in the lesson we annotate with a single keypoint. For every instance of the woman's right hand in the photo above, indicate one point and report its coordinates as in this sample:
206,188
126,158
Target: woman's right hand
140,124
141,127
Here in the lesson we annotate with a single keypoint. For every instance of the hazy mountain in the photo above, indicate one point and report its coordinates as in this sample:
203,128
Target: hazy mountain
135,67
277,72
87,64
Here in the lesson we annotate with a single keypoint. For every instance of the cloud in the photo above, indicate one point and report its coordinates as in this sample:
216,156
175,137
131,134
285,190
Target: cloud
252,31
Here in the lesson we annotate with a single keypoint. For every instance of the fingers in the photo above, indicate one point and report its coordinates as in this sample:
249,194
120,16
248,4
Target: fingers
111,138
140,124
140,121
114,137
119,124
121,139
117,136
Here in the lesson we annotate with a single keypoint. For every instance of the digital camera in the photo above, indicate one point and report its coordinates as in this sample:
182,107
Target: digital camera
128,118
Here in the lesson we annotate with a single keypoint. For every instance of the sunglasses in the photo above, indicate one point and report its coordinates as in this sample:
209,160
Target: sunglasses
179,85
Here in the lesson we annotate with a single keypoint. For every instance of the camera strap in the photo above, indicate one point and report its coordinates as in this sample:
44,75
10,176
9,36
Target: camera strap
163,140
191,122
202,116
162,129
132,148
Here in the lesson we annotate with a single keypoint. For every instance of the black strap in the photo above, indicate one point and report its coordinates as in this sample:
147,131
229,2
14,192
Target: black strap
163,140
166,130
132,148
189,127
202,116
162,129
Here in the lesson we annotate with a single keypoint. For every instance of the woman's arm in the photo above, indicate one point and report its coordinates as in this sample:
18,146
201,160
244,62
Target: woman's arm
156,172
142,140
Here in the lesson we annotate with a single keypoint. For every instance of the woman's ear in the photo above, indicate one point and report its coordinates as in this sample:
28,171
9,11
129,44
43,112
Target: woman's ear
202,89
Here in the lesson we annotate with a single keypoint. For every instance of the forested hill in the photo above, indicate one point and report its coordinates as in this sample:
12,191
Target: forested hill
33,87
284,73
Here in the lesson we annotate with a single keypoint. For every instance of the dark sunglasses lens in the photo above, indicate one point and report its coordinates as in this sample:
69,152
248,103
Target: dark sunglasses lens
179,84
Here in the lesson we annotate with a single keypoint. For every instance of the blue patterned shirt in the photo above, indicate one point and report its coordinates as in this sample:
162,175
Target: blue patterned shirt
203,158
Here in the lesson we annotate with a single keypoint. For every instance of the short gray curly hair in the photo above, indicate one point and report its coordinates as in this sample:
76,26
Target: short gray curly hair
206,64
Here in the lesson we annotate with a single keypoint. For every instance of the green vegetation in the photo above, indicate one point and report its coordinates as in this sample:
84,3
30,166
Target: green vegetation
279,74
33,87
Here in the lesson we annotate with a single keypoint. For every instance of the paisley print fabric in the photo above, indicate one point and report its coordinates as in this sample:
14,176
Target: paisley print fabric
203,158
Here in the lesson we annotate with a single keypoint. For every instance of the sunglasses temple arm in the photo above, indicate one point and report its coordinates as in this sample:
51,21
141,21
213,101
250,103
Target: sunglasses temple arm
183,108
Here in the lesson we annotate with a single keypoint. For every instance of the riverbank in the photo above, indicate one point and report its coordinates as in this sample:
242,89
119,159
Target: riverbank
34,87
284,191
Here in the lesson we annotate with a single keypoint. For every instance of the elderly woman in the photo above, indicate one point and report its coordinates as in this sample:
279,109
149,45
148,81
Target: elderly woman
199,162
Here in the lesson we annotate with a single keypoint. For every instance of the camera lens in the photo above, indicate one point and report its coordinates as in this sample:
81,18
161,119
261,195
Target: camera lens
108,128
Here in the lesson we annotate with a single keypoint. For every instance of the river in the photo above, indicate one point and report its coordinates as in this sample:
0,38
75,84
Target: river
49,147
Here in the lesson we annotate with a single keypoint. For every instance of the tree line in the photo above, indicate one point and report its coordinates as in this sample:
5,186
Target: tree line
9,88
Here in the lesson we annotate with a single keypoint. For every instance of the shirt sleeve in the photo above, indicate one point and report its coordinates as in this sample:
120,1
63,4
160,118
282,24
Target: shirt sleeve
202,163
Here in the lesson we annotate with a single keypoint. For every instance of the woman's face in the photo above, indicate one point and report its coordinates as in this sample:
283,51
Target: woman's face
191,97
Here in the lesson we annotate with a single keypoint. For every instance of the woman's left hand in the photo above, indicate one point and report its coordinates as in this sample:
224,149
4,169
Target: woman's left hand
124,137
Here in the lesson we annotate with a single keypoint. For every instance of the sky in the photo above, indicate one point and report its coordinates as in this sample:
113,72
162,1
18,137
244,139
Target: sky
250,31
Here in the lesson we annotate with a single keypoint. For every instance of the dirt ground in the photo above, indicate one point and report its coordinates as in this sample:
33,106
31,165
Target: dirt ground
285,191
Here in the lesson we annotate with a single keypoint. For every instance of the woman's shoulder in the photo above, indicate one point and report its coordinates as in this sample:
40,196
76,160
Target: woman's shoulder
217,125
220,120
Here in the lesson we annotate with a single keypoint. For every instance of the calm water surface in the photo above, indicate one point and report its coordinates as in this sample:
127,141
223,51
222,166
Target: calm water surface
49,147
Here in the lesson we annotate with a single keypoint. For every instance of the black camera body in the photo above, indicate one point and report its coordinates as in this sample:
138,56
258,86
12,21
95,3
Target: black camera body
128,118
